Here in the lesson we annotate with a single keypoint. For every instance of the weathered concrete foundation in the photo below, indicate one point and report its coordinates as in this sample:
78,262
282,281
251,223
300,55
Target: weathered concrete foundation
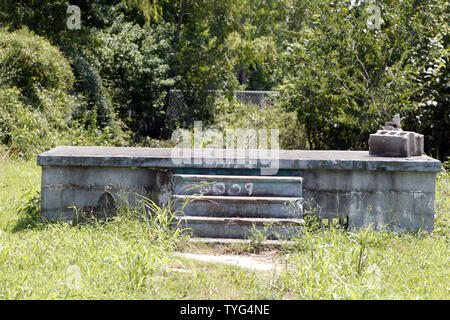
377,192
66,189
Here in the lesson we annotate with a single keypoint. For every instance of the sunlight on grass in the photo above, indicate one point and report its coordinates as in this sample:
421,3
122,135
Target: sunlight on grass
129,257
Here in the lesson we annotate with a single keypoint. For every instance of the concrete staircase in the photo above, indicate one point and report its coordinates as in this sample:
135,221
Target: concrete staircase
231,207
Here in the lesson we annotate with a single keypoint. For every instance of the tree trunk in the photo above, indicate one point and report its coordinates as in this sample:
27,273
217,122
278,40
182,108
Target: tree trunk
179,24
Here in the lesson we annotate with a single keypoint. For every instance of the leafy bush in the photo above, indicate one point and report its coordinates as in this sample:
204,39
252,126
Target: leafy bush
27,130
237,115
38,109
30,204
134,62
30,62
90,84
20,125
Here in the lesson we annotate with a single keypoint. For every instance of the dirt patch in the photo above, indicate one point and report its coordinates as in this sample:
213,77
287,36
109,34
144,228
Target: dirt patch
254,262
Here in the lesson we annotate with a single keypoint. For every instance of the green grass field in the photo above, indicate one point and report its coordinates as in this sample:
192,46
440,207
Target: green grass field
130,258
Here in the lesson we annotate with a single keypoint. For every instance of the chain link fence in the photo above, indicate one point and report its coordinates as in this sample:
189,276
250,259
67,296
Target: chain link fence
261,99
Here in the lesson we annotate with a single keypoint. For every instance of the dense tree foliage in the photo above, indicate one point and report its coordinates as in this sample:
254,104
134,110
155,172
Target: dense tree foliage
345,80
37,104
342,78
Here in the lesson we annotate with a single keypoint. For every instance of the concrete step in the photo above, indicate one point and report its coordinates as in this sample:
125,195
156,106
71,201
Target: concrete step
240,228
229,185
237,206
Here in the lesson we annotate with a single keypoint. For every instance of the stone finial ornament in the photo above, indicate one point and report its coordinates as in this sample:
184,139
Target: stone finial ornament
394,124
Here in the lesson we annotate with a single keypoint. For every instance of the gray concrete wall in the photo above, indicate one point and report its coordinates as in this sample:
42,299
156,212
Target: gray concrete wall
399,201
78,187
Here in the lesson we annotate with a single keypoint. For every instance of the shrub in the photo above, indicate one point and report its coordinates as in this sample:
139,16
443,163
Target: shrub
20,125
30,62
38,109
134,62
237,115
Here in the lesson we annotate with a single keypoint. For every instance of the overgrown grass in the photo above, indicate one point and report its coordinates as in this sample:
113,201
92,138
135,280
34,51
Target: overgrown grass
128,257
114,259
